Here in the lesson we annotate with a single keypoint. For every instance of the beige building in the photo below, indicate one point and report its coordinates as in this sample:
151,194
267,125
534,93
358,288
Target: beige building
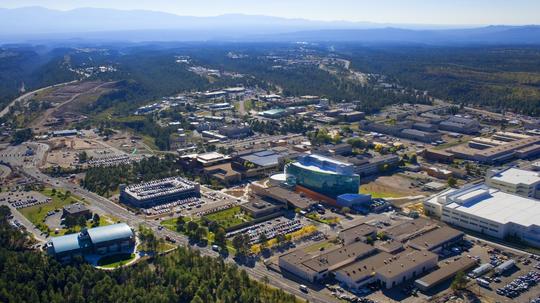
409,264
357,233
313,267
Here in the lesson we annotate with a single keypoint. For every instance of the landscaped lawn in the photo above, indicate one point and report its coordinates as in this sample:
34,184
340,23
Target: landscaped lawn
229,217
114,261
37,213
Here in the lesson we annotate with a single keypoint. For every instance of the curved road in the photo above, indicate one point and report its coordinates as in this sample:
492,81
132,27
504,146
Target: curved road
5,110
258,271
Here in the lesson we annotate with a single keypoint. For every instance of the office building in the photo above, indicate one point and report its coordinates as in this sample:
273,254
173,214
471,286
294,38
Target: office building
407,265
460,125
157,192
357,233
76,210
488,211
323,175
362,272
236,131
445,273
515,181
317,267
97,240
436,240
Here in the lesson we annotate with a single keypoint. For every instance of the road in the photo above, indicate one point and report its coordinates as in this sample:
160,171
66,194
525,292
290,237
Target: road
25,96
258,271
38,123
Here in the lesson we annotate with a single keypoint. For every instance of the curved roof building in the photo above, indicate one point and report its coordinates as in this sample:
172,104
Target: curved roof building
323,175
92,240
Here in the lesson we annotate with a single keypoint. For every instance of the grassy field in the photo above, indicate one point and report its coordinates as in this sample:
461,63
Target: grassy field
114,261
229,217
318,218
326,245
379,194
36,214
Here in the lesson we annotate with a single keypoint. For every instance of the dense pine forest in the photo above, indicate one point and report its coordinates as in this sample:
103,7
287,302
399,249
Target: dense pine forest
183,276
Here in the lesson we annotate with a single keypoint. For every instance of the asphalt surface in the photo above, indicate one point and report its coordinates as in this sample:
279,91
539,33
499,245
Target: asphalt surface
29,168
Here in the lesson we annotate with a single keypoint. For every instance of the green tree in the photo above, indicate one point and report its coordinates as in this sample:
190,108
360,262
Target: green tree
452,182
459,282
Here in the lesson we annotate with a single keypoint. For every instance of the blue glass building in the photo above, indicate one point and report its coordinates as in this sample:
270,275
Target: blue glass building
323,175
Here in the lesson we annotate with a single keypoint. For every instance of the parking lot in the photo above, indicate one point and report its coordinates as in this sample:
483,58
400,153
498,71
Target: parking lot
23,199
271,229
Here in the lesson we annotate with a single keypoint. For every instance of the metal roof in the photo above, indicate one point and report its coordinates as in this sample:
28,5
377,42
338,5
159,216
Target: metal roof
263,158
65,243
109,233
495,205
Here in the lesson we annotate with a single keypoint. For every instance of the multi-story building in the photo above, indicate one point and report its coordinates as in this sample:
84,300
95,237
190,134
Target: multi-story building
409,264
323,175
317,267
157,192
488,211
97,240
236,131
515,181
460,125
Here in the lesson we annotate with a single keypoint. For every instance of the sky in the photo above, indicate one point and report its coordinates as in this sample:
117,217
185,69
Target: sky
445,12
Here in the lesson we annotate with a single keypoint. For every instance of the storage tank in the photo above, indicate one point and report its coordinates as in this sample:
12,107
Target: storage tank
505,266
482,269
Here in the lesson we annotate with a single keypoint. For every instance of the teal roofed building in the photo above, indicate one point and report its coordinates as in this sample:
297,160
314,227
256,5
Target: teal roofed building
99,240
323,175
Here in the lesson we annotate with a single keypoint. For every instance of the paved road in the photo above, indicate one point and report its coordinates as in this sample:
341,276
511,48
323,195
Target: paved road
258,271
25,96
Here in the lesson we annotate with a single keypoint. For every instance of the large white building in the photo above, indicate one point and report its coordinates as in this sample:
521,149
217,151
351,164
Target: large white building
490,211
515,181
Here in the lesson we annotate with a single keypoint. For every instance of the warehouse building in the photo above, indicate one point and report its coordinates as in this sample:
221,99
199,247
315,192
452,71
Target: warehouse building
488,211
316,267
445,273
437,239
157,192
99,240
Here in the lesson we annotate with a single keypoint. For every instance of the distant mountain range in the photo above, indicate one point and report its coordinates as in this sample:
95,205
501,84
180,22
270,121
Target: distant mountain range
94,24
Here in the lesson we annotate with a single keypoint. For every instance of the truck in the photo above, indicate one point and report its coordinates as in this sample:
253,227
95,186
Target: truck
482,282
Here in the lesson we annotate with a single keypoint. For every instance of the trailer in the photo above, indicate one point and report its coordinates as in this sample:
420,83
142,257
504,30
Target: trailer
480,270
505,266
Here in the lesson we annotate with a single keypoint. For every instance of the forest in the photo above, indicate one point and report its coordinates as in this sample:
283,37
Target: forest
499,77
104,180
182,276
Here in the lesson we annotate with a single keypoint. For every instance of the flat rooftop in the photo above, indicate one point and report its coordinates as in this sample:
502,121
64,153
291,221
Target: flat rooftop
160,188
408,228
517,176
495,205
447,271
321,262
338,255
358,231
435,237
404,262
290,196
365,268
